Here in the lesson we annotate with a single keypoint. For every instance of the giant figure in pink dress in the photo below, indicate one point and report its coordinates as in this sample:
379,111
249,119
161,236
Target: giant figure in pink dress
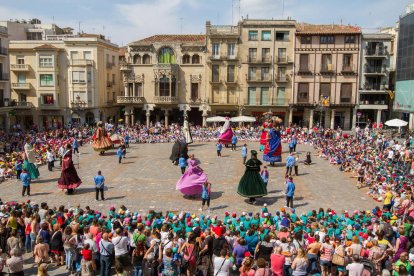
226,132
191,182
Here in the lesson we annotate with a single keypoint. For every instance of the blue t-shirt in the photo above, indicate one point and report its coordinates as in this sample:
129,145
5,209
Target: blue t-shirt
25,178
18,166
99,180
244,151
119,152
234,139
182,162
219,146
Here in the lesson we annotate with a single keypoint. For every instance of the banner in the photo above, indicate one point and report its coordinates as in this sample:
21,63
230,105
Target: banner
404,96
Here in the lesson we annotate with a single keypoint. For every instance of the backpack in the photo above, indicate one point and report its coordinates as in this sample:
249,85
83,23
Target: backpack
28,229
388,230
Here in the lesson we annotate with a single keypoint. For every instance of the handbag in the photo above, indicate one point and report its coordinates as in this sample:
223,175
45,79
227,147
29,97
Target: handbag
185,263
338,260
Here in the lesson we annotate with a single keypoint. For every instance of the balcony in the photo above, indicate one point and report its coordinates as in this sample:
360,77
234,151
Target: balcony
124,67
258,79
263,60
215,81
215,58
305,69
3,51
282,60
129,100
374,87
50,105
19,67
4,77
327,69
376,53
21,105
375,70
281,101
109,65
21,86
282,78
110,83
81,62
165,100
348,69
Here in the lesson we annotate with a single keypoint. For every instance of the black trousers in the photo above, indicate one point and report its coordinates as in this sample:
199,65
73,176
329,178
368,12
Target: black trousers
218,152
120,159
244,160
294,148
289,201
289,170
206,200
75,150
99,190
233,146
296,170
18,173
182,170
26,188
49,165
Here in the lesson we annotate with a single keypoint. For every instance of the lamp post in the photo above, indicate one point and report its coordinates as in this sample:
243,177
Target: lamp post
77,104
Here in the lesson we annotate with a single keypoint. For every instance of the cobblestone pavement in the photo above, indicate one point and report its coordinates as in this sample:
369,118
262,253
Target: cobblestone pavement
146,180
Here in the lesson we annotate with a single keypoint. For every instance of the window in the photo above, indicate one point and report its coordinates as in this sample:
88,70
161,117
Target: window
265,54
231,50
281,94
46,80
34,36
194,91
146,59
281,55
186,59
324,90
216,50
87,55
253,35
266,35
264,96
45,61
138,89
22,97
327,62
113,78
347,62
21,77
282,36
350,39
89,76
346,92
79,77
303,89
281,73
20,59
215,70
252,54
195,59
265,74
137,59
74,55
230,73
252,95
252,73
164,86
304,63
166,55
47,99
306,39
327,39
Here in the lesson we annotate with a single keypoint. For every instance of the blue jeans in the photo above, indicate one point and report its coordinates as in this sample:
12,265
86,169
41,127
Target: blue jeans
69,258
106,265
32,241
137,271
313,261
287,270
28,243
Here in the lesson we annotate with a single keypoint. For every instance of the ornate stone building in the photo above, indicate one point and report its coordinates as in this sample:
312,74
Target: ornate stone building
164,79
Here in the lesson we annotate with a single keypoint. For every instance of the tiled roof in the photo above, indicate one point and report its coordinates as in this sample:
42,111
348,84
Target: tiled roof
303,28
46,47
193,39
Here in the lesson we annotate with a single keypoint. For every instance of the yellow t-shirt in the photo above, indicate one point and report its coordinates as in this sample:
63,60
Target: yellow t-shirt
388,197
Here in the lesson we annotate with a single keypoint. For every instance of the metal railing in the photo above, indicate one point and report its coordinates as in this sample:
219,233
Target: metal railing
282,78
285,59
376,52
348,68
375,70
109,65
305,68
327,68
21,104
165,99
81,62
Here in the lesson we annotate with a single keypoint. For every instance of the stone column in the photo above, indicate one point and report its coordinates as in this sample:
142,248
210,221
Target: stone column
411,122
204,119
133,89
126,89
290,116
379,116
148,114
132,117
311,119
127,118
354,118
332,119
166,113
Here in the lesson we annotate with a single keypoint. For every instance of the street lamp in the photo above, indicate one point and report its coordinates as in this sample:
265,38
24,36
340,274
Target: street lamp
78,104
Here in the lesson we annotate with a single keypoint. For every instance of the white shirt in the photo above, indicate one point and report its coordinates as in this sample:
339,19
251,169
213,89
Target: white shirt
120,245
49,156
224,270
390,154
355,269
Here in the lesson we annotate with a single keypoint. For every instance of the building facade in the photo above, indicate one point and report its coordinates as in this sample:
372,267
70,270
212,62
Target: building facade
325,81
164,79
404,96
55,82
4,80
376,61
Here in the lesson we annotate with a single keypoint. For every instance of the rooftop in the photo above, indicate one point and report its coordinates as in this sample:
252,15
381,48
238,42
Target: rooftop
304,28
187,38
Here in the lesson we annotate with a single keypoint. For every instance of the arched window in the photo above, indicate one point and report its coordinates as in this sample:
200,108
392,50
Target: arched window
186,59
137,59
146,59
195,59
166,55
